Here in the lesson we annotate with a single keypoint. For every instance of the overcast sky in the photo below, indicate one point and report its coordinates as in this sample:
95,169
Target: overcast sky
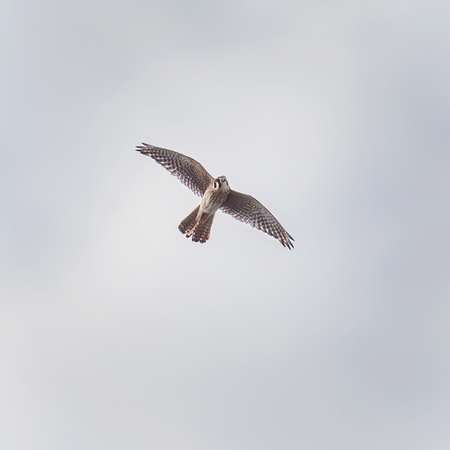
117,332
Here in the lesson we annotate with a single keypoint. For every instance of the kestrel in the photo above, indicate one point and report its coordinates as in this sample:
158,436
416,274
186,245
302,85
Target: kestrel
216,194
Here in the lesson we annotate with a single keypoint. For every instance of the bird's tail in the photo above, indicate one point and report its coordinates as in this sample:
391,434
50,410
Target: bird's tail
198,228
188,224
202,230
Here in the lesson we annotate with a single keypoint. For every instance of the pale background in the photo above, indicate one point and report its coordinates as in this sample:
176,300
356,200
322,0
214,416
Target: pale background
116,332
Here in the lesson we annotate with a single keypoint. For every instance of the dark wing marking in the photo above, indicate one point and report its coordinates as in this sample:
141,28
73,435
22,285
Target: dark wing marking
249,210
190,172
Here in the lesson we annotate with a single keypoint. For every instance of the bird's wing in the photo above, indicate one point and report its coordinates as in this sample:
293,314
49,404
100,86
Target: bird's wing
249,210
190,172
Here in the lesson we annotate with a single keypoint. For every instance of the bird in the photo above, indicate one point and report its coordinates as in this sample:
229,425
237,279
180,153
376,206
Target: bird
216,194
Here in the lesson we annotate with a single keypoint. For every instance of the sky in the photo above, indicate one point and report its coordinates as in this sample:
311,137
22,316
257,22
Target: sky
118,332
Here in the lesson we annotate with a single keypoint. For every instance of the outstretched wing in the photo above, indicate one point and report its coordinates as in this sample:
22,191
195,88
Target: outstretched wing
190,172
247,209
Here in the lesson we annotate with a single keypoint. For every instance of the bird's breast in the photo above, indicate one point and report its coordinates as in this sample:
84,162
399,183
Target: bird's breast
213,200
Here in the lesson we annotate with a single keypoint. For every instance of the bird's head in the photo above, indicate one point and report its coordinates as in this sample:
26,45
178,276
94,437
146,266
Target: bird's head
221,183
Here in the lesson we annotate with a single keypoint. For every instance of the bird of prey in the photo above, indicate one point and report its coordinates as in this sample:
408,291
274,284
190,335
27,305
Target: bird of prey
216,194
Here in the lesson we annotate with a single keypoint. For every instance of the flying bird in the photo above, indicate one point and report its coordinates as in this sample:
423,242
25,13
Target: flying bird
216,194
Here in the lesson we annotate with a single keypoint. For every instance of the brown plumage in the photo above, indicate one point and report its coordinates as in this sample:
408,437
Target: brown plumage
197,225
189,222
216,194
202,229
